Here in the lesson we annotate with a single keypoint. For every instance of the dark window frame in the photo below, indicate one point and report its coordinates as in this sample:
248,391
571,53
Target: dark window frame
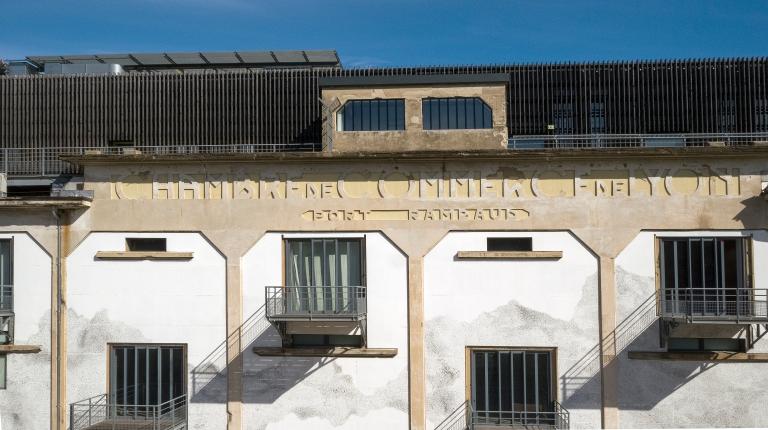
471,375
456,113
111,346
146,244
371,115
509,243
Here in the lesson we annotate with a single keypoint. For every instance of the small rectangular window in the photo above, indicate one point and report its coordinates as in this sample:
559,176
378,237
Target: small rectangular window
3,368
510,244
455,113
146,244
371,115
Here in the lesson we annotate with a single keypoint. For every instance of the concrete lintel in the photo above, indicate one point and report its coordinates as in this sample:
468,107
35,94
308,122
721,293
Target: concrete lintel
509,255
20,349
143,255
63,203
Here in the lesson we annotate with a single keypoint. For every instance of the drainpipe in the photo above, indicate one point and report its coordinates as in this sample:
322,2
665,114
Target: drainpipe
57,215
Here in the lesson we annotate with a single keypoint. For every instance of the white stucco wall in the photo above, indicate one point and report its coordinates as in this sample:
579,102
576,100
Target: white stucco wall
162,301
547,303
680,393
24,403
338,393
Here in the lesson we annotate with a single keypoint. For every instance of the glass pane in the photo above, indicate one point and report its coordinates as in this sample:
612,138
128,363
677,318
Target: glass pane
505,382
461,113
478,113
5,262
141,376
543,370
530,381
435,113
493,381
3,367
470,113
730,264
366,113
165,375
358,116
443,113
400,114
178,372
518,382
153,376
348,116
391,114
452,113
487,116
426,114
682,264
374,115
480,382
383,113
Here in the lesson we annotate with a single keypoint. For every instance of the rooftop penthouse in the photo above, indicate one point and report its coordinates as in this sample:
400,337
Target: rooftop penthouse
272,101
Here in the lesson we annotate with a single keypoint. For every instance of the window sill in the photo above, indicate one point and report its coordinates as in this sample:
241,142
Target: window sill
19,349
731,357
142,255
509,255
327,352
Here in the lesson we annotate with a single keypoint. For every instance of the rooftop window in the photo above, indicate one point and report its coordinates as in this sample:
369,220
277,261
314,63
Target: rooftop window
371,115
456,113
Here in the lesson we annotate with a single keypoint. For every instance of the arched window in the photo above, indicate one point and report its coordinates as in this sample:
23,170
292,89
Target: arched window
456,113
371,115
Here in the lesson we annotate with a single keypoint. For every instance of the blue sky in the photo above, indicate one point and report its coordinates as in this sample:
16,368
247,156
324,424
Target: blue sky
393,32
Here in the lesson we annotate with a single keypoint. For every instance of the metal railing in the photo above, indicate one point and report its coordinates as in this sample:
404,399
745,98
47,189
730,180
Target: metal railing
714,304
311,302
6,298
557,418
99,413
459,419
46,161
609,141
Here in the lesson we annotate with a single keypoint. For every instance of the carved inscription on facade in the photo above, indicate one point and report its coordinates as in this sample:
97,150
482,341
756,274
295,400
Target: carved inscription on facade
476,214
499,183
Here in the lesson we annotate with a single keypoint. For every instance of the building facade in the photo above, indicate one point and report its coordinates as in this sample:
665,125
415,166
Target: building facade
235,241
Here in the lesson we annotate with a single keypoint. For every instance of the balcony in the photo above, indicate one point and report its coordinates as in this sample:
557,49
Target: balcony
306,303
100,413
714,305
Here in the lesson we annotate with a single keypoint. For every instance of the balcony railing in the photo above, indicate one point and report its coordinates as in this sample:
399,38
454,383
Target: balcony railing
97,413
311,302
714,304
612,141
556,418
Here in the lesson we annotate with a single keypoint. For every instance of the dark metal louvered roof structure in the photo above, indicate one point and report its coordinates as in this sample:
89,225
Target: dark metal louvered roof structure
198,60
279,108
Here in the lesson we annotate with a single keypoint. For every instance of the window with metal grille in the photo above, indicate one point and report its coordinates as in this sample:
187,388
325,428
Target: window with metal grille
325,277
456,113
597,117
761,115
371,115
562,118
726,121
512,387
146,375
706,276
